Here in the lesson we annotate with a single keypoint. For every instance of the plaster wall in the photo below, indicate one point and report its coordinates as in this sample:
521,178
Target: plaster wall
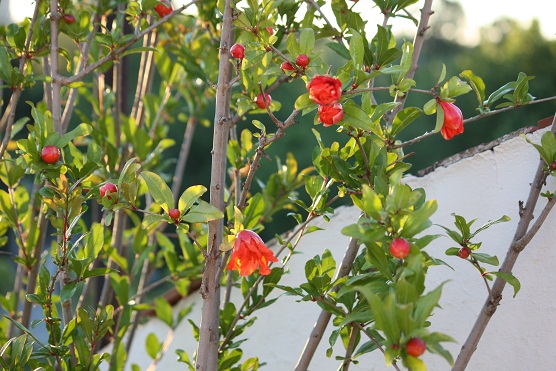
521,335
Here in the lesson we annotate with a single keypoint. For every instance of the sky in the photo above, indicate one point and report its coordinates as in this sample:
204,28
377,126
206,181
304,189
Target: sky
478,13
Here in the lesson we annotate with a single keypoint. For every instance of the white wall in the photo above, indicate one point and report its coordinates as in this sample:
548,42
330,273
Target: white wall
521,335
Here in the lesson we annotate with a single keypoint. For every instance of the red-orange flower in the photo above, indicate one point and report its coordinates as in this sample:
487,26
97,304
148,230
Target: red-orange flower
324,89
332,114
250,253
453,120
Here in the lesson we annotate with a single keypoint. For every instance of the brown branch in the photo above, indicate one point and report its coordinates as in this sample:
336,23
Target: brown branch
322,322
209,335
350,348
521,237
418,41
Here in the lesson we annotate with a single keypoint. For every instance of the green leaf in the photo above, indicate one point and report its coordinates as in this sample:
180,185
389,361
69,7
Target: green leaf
548,143
405,62
509,278
356,48
452,251
522,88
442,75
68,291
502,219
377,257
190,196
306,41
303,102
419,220
292,45
79,131
253,211
381,109
485,258
454,88
164,311
433,345
425,305
355,117
95,241
439,119
152,345
203,212
97,272
430,107
5,65
477,84
159,190
414,364
499,93
340,49
404,118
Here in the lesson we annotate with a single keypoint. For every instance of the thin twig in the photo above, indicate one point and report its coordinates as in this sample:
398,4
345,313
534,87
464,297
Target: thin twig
115,52
264,141
350,347
314,4
372,338
239,314
471,119
83,61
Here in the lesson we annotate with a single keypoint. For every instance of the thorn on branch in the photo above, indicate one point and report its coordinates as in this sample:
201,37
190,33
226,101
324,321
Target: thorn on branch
423,30
494,303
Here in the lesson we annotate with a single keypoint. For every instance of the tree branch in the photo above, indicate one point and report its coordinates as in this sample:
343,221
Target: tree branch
517,245
209,335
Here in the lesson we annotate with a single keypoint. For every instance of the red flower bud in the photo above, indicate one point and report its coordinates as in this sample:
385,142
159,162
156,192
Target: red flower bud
108,189
330,115
324,89
464,252
237,51
174,214
68,18
260,101
302,60
286,66
453,120
50,154
163,9
415,347
399,248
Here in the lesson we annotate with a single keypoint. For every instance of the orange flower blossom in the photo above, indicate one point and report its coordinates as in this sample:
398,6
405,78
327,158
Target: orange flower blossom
250,253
